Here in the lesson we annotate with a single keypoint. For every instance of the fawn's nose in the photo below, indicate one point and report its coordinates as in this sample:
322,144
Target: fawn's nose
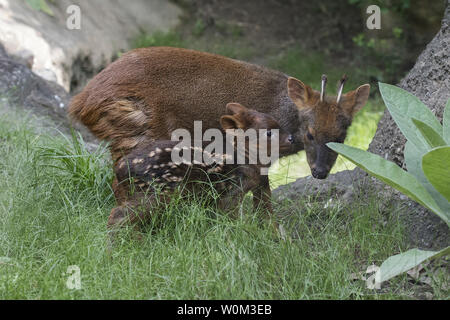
291,138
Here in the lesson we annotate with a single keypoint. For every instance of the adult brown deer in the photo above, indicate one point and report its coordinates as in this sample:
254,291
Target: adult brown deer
148,93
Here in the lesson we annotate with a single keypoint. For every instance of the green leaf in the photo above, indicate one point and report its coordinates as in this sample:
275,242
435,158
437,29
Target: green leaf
34,4
40,5
436,166
446,122
433,139
413,160
391,174
403,262
403,106
45,8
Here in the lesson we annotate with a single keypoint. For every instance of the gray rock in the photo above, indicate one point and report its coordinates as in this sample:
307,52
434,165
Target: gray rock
3,53
429,80
340,185
24,57
22,87
74,55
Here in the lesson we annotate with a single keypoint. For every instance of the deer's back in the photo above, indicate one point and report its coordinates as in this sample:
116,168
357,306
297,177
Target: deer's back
153,91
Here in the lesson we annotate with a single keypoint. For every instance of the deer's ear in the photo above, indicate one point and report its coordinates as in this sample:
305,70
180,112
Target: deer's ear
354,100
301,94
235,108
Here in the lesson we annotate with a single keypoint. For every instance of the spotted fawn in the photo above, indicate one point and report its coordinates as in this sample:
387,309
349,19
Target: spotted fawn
148,176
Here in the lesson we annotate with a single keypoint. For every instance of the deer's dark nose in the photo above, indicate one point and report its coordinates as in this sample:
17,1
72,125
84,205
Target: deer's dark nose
319,173
291,138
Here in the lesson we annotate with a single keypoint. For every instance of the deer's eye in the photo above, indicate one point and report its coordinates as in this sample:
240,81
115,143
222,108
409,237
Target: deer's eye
310,136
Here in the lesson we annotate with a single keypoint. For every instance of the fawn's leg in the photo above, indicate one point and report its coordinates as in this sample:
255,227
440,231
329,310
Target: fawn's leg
262,196
133,213
120,191
262,200
230,202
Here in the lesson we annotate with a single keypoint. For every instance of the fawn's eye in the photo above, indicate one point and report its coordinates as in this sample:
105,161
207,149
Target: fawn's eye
310,136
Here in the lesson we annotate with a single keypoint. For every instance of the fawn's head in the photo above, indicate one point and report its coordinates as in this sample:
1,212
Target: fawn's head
326,119
264,125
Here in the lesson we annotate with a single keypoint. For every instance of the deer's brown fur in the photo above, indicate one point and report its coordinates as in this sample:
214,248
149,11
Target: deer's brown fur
148,93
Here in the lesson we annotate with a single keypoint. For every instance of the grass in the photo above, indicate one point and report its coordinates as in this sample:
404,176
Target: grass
55,198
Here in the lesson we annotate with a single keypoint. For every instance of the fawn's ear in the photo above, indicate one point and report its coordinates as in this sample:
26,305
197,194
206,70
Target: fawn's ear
354,100
235,108
301,94
237,118
232,122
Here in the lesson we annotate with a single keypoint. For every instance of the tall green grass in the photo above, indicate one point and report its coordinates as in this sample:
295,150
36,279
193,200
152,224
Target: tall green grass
55,198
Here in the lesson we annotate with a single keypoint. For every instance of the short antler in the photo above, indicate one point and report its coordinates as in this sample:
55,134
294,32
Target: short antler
324,85
341,87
